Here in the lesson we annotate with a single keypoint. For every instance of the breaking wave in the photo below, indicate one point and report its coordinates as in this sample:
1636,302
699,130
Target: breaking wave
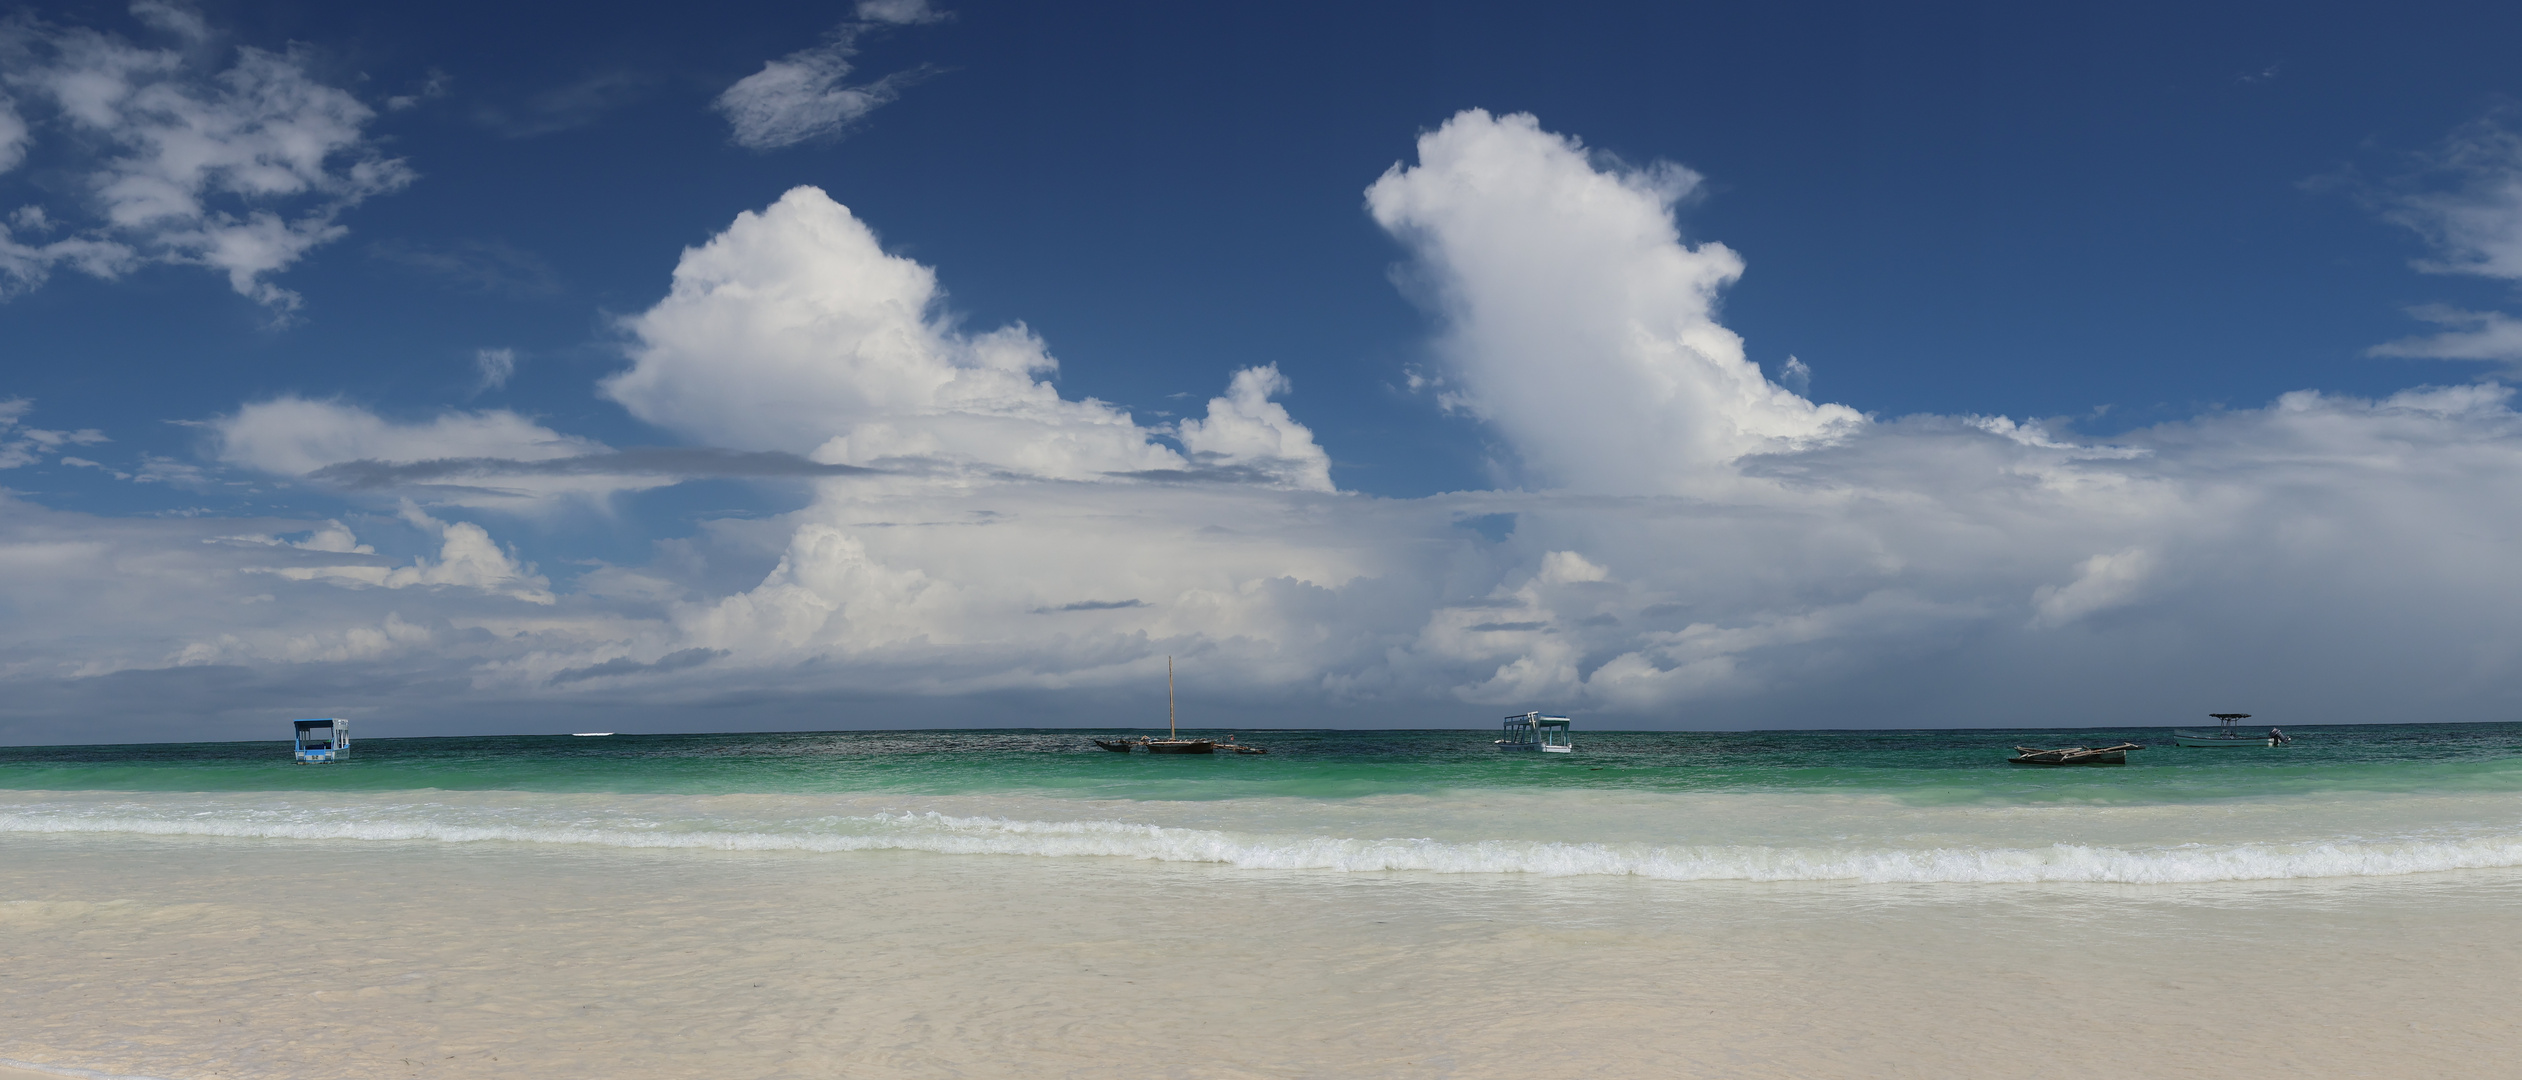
965,835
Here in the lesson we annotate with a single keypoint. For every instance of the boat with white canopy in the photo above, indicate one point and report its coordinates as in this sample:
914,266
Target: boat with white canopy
1535,732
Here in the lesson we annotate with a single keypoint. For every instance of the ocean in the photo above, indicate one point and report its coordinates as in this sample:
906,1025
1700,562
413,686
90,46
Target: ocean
1353,903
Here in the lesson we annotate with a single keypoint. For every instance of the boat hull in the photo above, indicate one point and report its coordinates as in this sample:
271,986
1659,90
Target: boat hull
2088,759
2073,755
1115,747
1536,749
1180,746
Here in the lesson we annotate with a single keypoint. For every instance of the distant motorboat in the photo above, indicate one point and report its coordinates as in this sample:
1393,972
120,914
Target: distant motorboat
1535,732
2074,755
588,734
2229,735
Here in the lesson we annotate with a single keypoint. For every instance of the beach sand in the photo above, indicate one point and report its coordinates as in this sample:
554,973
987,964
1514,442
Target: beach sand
191,959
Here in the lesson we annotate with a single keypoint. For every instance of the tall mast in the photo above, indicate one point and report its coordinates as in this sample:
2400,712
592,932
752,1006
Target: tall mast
1170,732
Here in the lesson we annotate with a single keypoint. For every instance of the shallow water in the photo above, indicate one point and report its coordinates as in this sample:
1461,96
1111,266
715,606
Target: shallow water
1951,766
1352,904
1932,806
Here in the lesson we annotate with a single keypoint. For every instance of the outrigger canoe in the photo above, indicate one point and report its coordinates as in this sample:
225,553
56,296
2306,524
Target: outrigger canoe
2074,755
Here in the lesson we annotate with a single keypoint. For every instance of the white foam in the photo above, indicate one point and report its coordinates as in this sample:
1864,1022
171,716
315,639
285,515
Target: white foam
64,1070
973,835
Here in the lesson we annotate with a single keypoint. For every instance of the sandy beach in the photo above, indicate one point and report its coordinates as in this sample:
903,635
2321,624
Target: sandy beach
192,959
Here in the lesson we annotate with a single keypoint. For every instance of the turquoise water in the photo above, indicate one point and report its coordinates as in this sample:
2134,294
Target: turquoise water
1921,767
1863,806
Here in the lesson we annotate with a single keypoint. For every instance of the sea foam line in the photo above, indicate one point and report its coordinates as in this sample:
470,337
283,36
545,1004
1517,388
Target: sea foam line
65,1070
945,834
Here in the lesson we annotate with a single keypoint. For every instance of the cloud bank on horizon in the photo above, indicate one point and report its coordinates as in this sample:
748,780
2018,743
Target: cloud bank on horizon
1675,538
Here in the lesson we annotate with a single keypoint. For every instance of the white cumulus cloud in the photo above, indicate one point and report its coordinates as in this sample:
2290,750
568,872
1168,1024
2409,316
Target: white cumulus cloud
1699,538
467,558
794,330
1684,541
1576,318
1245,428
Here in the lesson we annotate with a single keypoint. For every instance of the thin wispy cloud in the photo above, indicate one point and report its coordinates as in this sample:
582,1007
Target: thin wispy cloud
674,661
21,446
662,462
806,95
2469,335
494,368
234,159
433,87
2465,201
901,12
485,266
579,103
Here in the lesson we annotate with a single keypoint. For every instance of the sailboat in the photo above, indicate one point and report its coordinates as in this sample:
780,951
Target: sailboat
1173,742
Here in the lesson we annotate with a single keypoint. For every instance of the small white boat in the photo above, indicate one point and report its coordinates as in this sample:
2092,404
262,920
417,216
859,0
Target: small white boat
589,734
1533,731
2229,735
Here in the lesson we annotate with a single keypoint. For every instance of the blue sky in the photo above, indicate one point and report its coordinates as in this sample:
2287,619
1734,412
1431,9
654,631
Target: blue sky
2090,249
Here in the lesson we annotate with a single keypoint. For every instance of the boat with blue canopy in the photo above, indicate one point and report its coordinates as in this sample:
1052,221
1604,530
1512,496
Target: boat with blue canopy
320,742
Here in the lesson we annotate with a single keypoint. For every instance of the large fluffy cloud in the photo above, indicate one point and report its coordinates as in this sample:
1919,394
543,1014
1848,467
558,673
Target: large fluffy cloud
1694,540
794,330
1575,317
1686,542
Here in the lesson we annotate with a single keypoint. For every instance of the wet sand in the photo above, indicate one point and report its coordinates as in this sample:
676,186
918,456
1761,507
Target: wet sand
190,959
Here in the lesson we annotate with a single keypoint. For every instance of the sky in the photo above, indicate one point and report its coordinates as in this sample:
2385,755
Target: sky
905,363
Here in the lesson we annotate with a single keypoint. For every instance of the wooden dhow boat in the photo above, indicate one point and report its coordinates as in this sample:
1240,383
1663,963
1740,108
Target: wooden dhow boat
2074,755
1173,742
